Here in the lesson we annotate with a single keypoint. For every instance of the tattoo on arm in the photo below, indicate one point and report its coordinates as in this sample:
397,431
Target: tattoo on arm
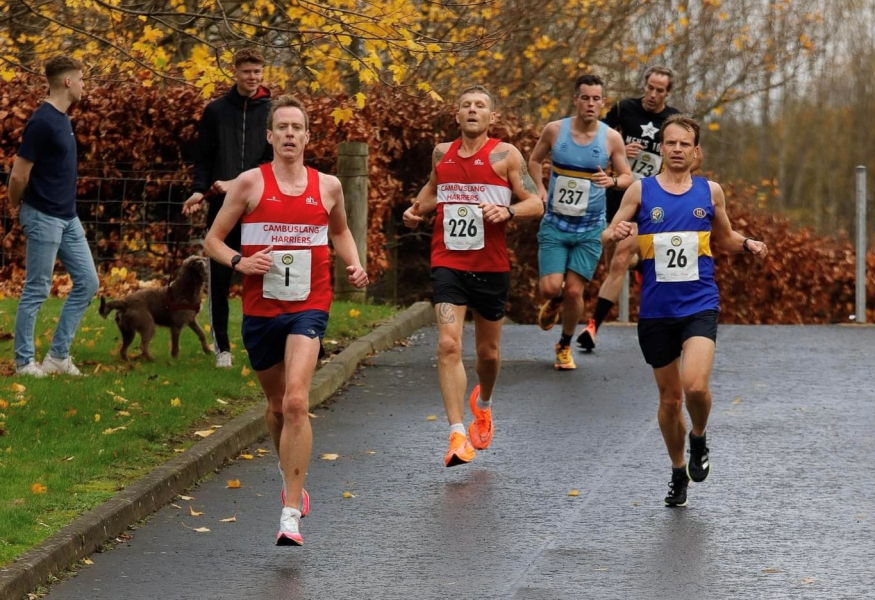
528,183
438,155
446,314
497,157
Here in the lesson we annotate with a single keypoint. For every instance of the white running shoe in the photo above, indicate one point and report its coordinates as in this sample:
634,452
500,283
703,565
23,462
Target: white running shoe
289,534
31,369
63,366
223,360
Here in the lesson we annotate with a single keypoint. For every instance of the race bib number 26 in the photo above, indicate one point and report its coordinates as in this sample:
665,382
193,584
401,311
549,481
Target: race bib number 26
463,227
676,256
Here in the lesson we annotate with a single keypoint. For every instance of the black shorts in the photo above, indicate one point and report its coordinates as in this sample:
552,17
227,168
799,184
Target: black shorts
662,340
265,337
484,292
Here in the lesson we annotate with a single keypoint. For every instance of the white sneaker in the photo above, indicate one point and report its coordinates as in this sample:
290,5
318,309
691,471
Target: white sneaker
289,534
223,360
31,369
64,366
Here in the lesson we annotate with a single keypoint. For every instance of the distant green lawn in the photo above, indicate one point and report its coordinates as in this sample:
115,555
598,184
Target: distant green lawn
68,444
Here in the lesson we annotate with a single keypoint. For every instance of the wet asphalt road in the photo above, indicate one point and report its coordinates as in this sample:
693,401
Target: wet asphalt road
788,511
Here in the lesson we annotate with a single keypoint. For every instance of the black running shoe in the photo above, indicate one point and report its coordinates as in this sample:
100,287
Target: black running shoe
698,466
677,488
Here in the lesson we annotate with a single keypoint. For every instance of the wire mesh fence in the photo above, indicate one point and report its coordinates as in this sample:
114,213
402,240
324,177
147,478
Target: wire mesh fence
134,221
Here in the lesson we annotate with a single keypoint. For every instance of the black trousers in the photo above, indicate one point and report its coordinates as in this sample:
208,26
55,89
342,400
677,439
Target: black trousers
220,283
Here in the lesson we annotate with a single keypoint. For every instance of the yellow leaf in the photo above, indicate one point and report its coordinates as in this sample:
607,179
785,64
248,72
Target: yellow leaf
348,495
193,512
123,413
713,126
435,96
245,371
186,497
220,401
354,313
97,418
360,100
330,456
263,451
341,115
17,387
737,400
229,520
70,413
205,433
246,456
175,402
38,488
88,561
574,493
233,484
4,404
431,418
200,529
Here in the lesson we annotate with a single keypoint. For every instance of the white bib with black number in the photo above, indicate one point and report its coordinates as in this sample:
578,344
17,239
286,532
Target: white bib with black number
646,164
676,256
463,227
570,196
289,276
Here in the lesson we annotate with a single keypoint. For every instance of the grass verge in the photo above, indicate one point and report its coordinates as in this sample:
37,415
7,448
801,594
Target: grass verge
68,444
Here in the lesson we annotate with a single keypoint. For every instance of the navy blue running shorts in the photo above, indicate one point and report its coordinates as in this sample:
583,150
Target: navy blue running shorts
484,292
265,337
662,340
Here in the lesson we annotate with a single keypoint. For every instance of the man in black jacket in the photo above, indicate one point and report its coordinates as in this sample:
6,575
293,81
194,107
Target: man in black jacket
231,139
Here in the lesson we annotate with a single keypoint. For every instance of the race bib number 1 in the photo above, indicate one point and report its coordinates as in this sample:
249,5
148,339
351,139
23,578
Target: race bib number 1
646,164
289,276
463,227
676,256
570,196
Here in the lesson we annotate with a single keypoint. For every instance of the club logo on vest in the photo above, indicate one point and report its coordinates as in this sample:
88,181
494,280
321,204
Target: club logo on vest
463,212
596,152
676,241
699,212
657,215
310,200
478,163
273,199
288,259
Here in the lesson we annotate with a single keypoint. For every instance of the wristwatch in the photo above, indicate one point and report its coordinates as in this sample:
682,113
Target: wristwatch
235,261
510,212
615,181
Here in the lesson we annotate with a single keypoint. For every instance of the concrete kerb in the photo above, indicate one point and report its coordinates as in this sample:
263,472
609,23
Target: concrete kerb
86,534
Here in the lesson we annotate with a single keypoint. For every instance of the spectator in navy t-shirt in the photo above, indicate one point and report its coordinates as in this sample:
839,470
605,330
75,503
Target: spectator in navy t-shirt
42,188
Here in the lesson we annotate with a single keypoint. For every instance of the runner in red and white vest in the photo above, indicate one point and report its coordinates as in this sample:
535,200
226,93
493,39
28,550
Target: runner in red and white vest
289,212
471,184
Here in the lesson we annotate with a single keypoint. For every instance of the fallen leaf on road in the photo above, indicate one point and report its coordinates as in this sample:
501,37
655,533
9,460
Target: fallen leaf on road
263,451
246,457
88,561
233,484
229,519
737,400
348,495
369,452
771,571
179,450
601,569
330,456
312,416
186,497
574,493
176,506
808,580
205,433
431,418
193,512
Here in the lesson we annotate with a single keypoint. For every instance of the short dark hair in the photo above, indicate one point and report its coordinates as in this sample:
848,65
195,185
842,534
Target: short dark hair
588,79
284,102
57,66
686,122
248,55
660,70
478,89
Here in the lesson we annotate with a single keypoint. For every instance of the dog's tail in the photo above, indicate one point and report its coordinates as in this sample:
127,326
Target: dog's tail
107,307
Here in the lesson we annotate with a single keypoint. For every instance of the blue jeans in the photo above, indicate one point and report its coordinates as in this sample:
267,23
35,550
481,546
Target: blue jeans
47,238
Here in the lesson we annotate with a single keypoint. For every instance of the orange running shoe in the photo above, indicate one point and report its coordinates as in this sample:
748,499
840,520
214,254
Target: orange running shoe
586,339
564,360
480,430
550,313
460,450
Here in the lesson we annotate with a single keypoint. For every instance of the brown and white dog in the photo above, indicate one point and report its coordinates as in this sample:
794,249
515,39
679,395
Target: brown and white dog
174,306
